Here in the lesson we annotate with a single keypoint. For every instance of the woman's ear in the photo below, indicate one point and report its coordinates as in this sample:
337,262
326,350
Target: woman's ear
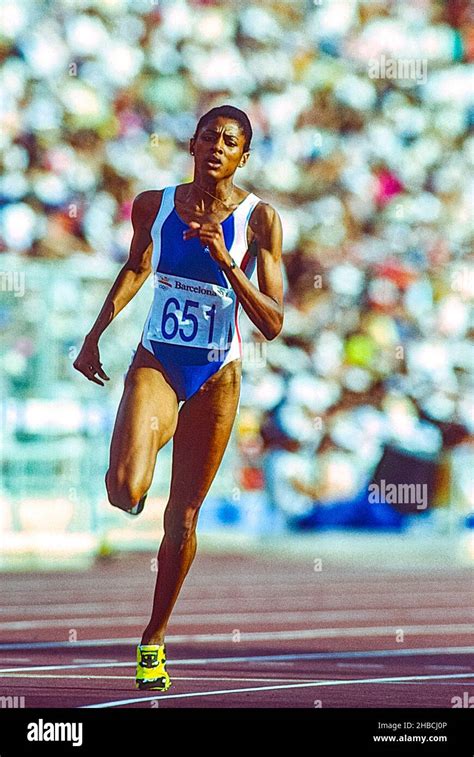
244,159
191,145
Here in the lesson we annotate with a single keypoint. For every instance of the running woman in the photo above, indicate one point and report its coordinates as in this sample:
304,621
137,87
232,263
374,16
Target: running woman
202,241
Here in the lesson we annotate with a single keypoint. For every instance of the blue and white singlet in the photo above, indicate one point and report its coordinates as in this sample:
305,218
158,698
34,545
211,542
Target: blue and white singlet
192,327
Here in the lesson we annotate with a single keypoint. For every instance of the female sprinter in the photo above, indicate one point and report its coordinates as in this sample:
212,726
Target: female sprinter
202,240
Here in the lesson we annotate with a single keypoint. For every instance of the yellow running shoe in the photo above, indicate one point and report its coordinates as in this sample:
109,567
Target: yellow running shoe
151,670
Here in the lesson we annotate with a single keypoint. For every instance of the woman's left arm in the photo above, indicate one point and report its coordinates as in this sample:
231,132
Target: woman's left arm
263,305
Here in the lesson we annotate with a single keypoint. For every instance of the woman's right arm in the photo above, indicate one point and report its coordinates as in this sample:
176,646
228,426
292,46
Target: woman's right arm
129,280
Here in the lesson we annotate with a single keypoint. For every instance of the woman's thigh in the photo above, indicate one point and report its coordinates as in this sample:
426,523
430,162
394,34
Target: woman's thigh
204,426
146,419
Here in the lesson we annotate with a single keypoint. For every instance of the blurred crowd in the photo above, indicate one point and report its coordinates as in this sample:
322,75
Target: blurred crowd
368,162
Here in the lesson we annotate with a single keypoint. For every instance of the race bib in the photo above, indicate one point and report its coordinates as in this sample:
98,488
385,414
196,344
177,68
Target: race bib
191,313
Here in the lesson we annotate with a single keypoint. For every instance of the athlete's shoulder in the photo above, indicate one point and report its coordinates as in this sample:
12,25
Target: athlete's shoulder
146,205
264,216
266,210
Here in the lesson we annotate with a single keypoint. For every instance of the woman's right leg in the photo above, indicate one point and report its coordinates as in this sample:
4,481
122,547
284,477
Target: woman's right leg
204,427
146,419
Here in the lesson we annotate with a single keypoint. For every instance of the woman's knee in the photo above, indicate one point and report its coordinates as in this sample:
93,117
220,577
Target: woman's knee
180,523
125,491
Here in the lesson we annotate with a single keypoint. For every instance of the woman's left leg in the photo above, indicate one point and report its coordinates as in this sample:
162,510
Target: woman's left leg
204,426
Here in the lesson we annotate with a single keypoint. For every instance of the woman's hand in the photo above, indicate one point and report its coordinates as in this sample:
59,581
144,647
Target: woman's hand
210,235
88,362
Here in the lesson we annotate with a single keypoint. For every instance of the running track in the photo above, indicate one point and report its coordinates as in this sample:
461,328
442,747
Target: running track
247,631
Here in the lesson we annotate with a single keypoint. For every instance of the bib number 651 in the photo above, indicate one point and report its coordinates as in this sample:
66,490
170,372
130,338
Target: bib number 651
170,324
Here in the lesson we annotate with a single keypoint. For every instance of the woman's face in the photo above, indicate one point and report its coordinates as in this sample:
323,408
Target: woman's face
219,148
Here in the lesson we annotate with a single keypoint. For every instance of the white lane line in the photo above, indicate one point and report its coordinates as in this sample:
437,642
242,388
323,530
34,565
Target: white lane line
243,617
280,687
446,683
435,683
249,636
266,659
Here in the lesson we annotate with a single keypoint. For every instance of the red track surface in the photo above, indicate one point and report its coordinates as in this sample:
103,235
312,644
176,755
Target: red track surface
246,632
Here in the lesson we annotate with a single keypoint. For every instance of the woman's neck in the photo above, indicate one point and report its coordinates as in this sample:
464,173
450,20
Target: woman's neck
206,196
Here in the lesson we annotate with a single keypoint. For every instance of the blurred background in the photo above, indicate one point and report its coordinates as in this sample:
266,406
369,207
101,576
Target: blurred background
357,420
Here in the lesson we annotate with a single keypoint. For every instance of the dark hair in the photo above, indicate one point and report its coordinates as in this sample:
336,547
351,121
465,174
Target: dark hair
230,112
